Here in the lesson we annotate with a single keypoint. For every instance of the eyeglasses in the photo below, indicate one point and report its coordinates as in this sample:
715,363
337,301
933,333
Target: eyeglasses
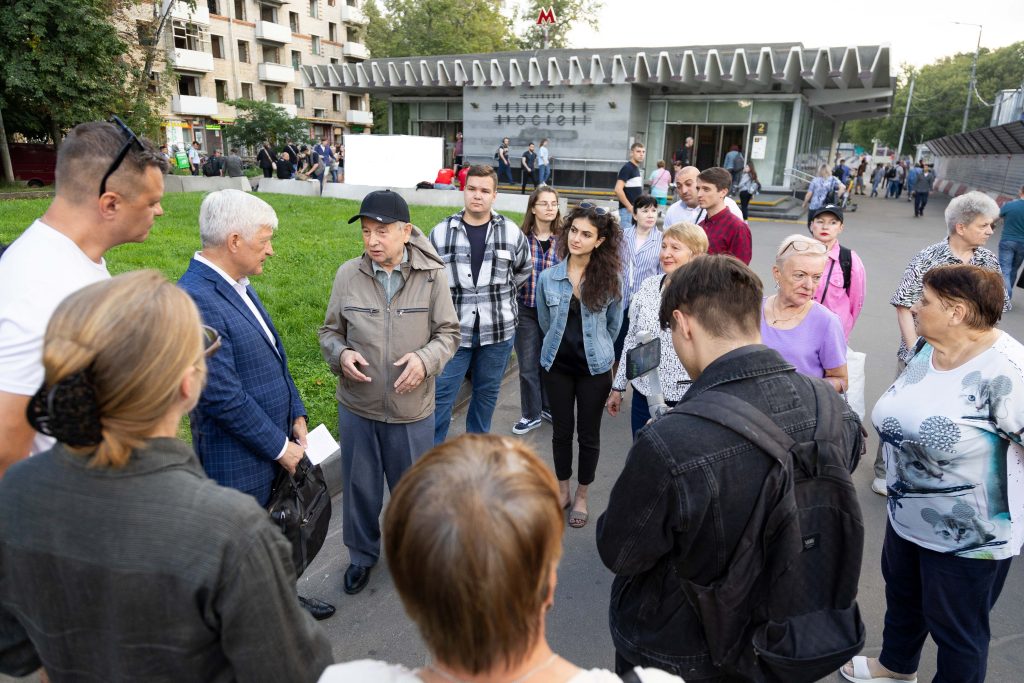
133,139
803,246
211,341
588,206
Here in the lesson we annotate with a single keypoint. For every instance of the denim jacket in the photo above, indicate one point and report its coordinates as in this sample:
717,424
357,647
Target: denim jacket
554,291
683,499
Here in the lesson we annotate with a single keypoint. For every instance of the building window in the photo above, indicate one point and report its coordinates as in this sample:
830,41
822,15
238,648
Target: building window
332,32
271,55
222,90
336,102
268,13
213,7
188,36
330,2
316,45
355,102
154,82
188,85
296,59
319,114
314,9
240,9
334,60
274,94
300,99
217,47
293,21
243,51
352,35
246,91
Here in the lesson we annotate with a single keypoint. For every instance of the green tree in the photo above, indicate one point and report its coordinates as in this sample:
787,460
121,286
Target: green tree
568,13
408,28
940,94
259,121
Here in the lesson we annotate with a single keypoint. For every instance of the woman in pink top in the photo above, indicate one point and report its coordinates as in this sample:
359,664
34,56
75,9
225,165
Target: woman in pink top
839,293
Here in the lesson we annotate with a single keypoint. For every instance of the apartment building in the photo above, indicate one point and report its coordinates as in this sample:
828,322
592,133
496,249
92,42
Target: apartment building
253,49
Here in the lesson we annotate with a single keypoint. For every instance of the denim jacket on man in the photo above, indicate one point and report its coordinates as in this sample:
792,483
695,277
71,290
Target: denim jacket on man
554,292
683,500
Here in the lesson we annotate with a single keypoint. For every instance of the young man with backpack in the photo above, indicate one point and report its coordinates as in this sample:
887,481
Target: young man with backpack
753,451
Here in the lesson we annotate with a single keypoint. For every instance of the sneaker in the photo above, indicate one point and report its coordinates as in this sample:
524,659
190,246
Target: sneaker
546,416
524,426
878,486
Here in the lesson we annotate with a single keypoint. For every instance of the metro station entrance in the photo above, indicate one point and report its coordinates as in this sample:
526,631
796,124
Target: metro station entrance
711,142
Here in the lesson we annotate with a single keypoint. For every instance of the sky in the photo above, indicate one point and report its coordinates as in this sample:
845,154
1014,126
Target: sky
917,31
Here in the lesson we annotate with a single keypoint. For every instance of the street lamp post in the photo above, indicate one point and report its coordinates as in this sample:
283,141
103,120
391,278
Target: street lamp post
974,70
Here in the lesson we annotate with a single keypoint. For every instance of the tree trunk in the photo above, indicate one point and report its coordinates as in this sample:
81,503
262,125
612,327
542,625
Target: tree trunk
5,152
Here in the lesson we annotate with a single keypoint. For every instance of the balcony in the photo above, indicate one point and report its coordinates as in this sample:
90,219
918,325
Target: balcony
273,33
199,15
290,108
195,106
276,73
359,118
353,15
355,50
191,60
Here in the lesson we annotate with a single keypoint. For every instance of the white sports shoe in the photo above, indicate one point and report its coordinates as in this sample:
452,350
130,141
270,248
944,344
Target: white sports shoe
879,487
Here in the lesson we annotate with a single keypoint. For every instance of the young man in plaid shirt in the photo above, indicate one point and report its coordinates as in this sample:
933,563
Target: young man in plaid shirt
727,234
487,258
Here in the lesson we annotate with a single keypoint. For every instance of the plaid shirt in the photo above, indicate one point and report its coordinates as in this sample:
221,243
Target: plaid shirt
541,260
491,300
939,254
727,234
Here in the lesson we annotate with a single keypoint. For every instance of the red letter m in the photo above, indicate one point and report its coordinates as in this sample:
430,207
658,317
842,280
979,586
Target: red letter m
546,16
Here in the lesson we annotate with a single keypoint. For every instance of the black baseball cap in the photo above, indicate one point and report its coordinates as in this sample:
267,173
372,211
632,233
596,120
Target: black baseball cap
828,208
384,206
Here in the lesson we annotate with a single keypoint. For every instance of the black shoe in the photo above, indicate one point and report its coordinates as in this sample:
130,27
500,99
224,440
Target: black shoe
318,608
356,578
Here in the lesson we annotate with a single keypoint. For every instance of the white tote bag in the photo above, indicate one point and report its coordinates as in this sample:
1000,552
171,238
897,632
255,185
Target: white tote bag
855,389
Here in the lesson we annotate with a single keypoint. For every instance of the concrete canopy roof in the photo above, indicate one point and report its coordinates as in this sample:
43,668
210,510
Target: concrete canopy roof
841,82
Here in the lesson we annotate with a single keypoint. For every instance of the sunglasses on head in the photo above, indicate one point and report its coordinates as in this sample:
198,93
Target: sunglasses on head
598,210
211,341
133,139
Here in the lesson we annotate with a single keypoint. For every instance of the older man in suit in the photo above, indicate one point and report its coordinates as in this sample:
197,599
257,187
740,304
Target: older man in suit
250,420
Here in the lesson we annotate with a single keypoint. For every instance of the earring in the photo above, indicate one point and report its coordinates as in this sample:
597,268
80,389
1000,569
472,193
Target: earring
776,284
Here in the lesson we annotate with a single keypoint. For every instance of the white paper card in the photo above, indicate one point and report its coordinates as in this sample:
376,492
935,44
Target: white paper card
320,444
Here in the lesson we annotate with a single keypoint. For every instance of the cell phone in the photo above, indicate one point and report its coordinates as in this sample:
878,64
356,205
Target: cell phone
643,358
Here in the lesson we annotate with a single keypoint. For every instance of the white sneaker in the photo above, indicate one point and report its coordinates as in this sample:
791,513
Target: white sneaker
879,487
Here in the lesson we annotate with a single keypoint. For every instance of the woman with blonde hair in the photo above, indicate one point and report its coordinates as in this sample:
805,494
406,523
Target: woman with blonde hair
473,536
144,569
804,332
680,243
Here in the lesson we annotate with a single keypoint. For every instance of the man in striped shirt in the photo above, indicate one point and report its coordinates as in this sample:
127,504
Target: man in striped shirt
486,259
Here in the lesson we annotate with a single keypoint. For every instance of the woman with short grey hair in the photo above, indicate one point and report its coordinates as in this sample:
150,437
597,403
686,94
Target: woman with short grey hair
969,209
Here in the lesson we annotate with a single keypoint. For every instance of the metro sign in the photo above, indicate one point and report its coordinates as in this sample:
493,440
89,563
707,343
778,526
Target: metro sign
546,16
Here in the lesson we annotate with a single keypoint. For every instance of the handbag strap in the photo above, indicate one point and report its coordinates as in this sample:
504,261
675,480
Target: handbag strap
828,280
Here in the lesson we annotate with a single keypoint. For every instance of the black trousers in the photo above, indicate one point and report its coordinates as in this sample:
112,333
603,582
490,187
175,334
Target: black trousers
745,203
531,176
920,200
587,394
268,172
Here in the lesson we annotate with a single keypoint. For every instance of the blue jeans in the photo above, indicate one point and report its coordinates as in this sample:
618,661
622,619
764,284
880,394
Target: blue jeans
625,218
943,595
487,365
893,186
532,396
505,172
543,173
1011,256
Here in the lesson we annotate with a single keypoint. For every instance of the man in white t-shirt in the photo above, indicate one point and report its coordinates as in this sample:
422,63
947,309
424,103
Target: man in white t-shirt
686,209
109,186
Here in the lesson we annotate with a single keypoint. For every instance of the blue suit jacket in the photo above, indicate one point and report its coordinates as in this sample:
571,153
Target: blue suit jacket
250,401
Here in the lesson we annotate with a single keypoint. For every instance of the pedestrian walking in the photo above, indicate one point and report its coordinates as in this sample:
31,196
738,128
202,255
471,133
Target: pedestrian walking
923,188
630,184
1011,240
877,176
542,226
748,186
580,313
824,189
733,163
891,175
504,165
862,170
543,162
529,167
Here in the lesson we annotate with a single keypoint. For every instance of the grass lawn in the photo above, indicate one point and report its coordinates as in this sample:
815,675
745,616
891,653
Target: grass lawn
313,238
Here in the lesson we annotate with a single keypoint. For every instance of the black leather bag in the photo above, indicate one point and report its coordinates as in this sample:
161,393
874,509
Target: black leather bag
300,506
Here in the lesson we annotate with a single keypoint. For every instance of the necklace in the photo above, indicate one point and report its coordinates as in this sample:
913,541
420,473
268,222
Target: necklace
448,677
775,308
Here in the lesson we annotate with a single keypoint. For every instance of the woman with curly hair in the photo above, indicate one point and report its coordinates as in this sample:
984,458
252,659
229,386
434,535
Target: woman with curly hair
579,307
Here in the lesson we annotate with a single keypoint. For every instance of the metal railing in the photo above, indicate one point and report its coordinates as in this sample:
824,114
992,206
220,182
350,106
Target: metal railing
803,180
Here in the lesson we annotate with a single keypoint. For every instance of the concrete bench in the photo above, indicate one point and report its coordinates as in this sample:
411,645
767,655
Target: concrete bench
189,183
299,188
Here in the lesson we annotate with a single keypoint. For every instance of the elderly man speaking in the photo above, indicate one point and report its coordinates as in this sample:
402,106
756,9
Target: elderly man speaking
389,330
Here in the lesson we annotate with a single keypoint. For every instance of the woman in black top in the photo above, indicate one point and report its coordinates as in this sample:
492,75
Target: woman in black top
284,166
266,160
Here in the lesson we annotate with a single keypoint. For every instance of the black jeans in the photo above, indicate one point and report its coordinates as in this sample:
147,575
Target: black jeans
531,176
622,665
745,202
587,394
920,200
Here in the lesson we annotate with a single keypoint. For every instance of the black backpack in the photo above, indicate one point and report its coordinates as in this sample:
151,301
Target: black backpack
837,172
786,608
846,265
891,173
211,167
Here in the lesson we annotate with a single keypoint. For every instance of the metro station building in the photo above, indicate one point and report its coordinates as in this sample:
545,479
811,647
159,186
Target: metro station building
783,104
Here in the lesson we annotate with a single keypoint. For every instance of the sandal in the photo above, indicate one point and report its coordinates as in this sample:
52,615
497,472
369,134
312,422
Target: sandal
578,519
861,673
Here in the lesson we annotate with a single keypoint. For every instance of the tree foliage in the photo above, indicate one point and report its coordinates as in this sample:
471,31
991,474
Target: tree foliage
568,13
259,121
940,94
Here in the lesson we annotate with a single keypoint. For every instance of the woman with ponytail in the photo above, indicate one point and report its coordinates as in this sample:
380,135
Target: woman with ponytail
119,558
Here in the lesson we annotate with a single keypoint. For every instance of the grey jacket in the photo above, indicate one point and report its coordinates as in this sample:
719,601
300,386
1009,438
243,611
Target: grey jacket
420,319
150,572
